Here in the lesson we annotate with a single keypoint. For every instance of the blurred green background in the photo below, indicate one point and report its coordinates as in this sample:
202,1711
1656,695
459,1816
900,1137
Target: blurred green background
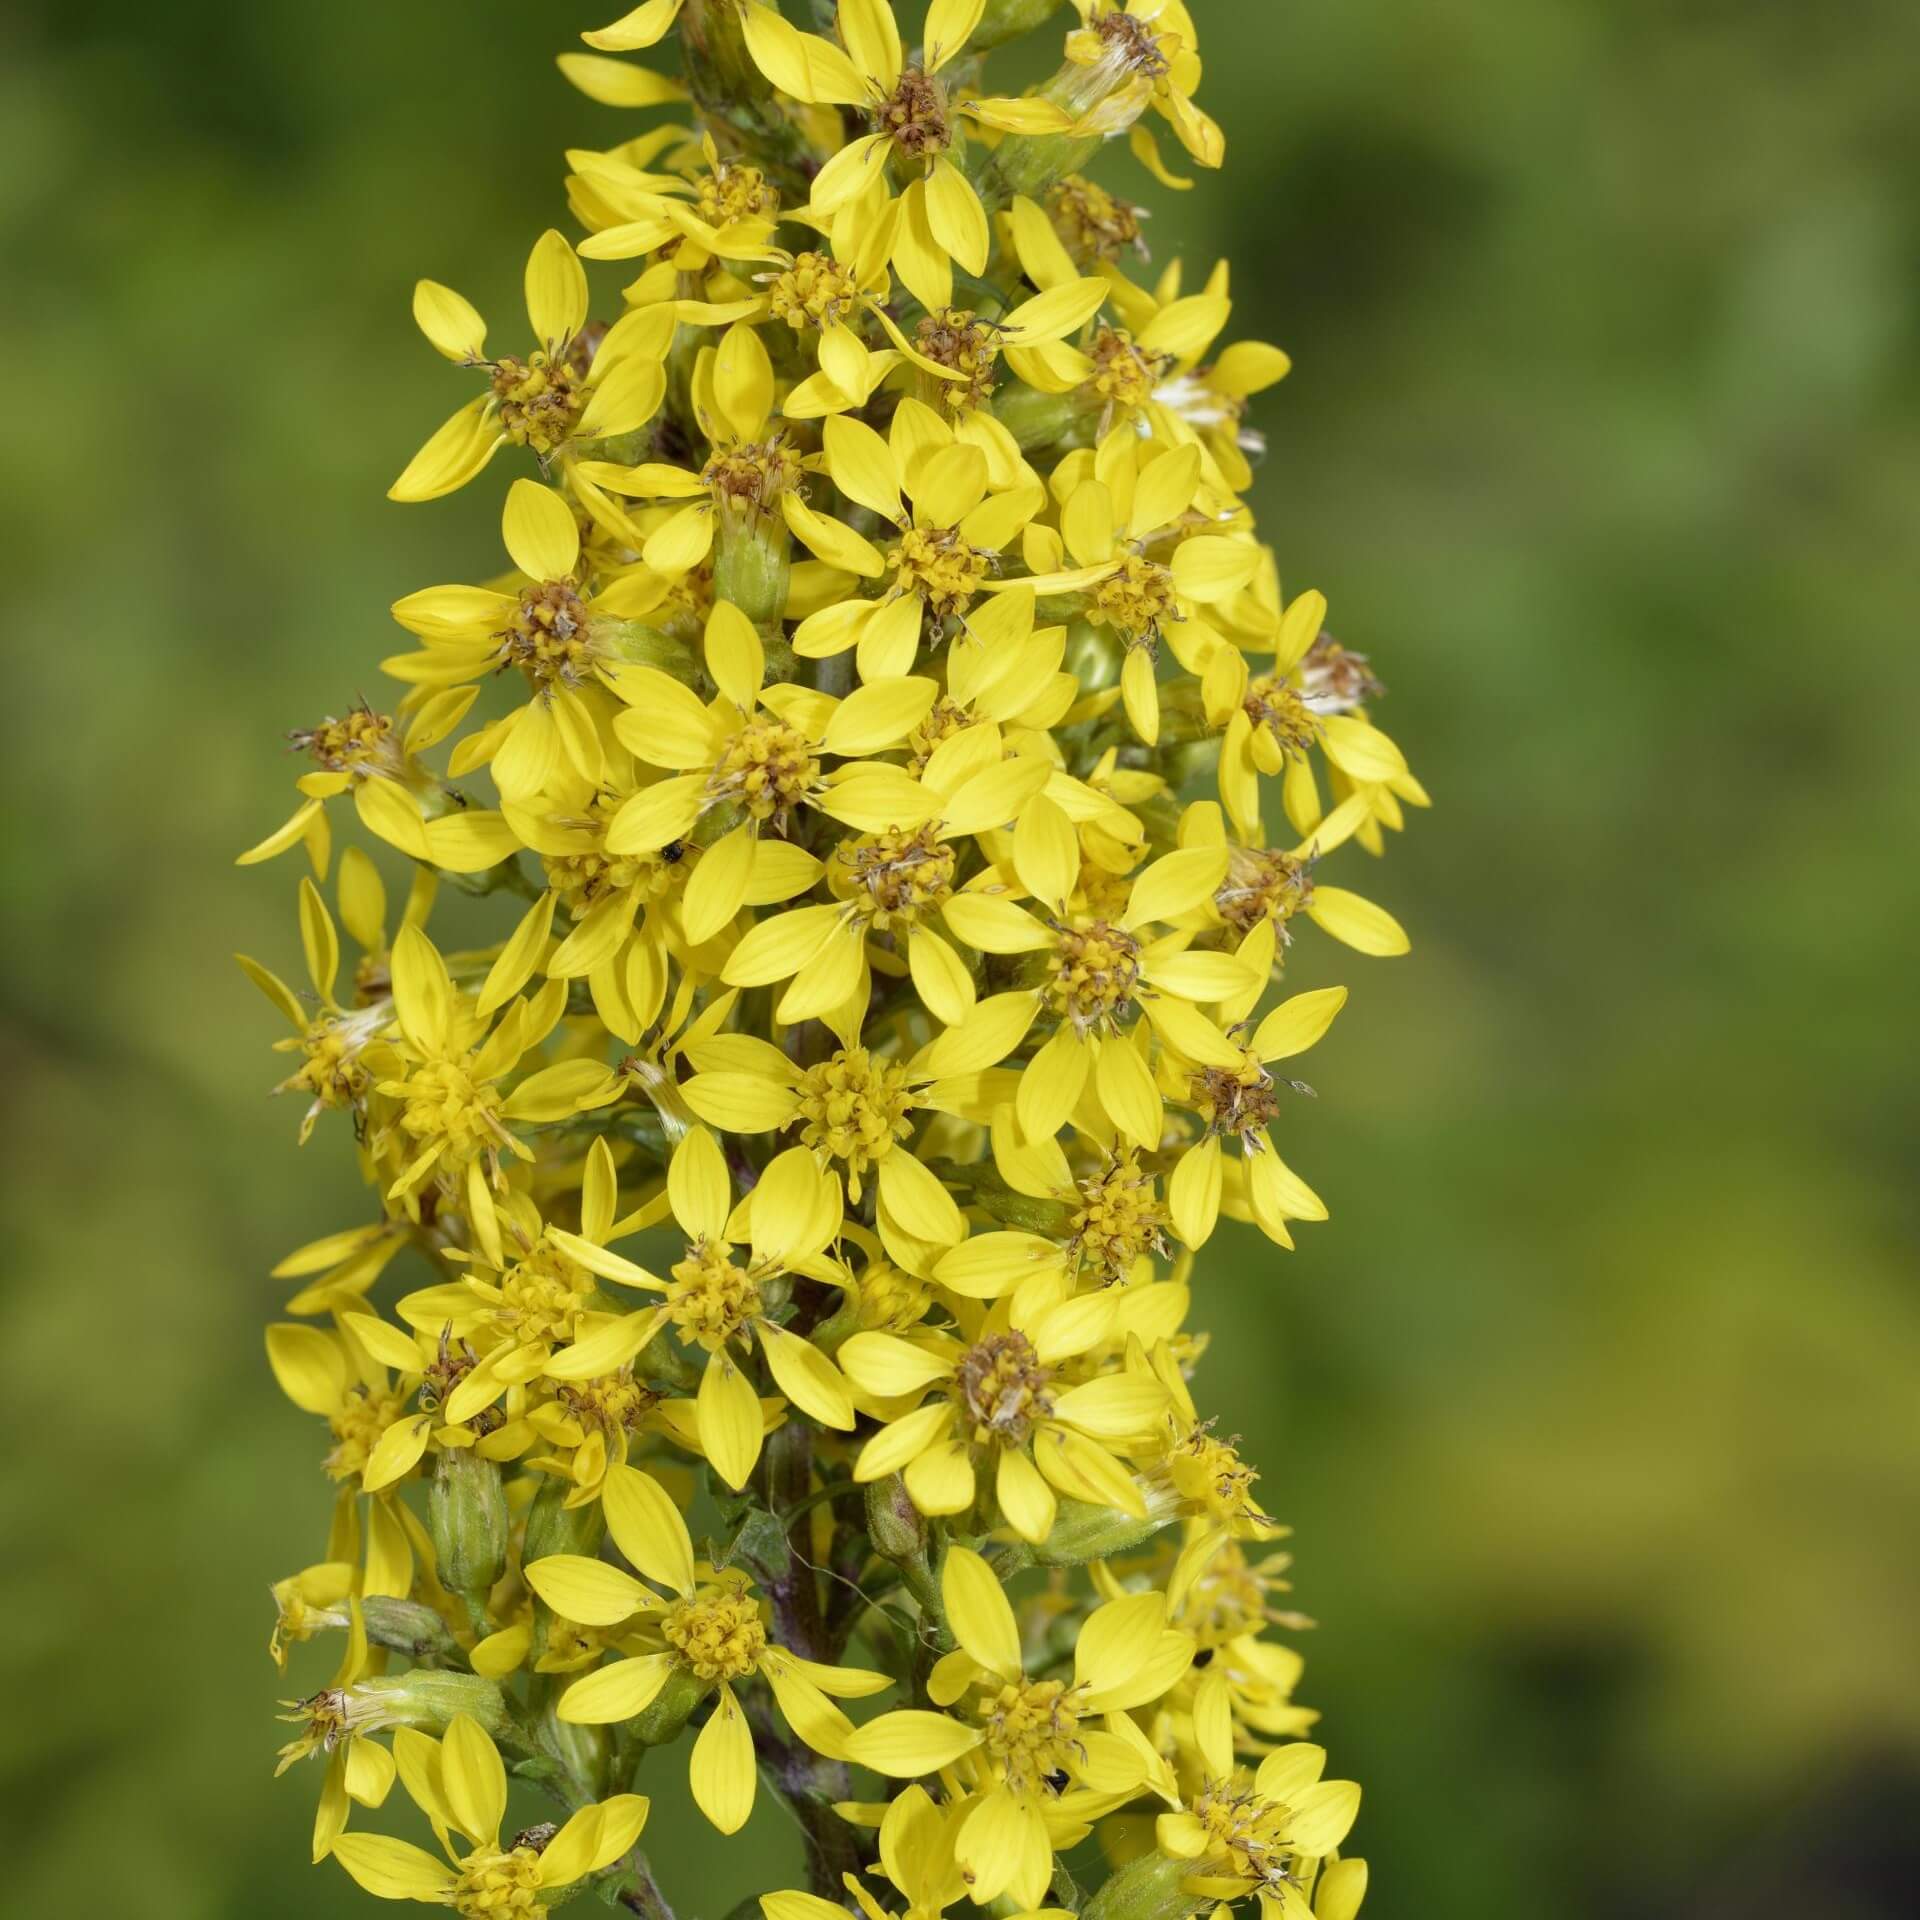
1595,1407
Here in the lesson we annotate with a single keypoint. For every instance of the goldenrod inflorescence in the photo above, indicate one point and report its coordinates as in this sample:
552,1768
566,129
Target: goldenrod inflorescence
874,731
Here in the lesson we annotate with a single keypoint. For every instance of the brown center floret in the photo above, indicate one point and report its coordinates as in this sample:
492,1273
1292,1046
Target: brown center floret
1242,1103
1335,680
768,766
898,876
914,116
1275,705
1263,883
1092,973
1132,41
937,564
539,399
546,637
1002,1387
953,338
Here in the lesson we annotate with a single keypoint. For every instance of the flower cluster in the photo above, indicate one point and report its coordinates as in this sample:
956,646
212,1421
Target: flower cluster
769,1344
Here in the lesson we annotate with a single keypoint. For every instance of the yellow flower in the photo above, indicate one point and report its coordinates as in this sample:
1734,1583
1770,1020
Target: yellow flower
1141,52
570,385
1265,1836
560,632
1007,1402
454,1117
460,1784
713,1302
710,1636
757,753
357,1768
1237,1099
938,223
1024,1736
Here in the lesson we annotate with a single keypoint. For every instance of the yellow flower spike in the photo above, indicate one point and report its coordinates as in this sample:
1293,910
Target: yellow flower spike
816,1139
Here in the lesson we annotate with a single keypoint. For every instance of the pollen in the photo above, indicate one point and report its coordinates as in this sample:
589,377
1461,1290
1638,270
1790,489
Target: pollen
937,564
612,1403
816,291
1252,1831
1275,707
1210,1473
445,1102
768,767
492,1883
539,399
1092,223
1136,597
751,477
1118,1220
914,116
1244,1103
1123,375
897,878
1001,1387
717,1632
1263,883
1032,1731
546,636
543,1296
362,1417
1092,974
734,192
362,742
712,1298
855,1107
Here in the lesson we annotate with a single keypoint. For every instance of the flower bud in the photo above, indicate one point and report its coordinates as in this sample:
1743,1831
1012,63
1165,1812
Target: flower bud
752,564
1145,1889
1082,1533
894,1522
555,1527
467,1513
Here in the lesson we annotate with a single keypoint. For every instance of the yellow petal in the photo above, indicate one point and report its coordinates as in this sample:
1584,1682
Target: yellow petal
538,528
556,298
979,1612
587,1591
392,1869
721,1771
648,1528
473,1780
730,1423
909,1742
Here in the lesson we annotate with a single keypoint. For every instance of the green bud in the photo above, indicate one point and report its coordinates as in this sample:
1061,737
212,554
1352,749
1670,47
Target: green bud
407,1627
663,1718
894,1523
1006,20
425,1698
555,1527
1149,1888
1082,1532
1038,420
752,565
467,1515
